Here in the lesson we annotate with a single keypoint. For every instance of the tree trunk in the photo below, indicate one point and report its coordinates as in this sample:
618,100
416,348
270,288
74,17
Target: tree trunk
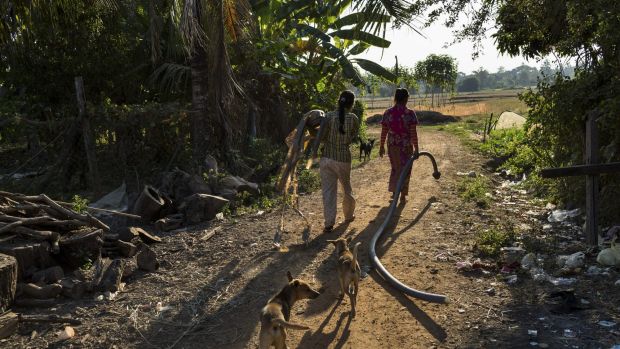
8,281
198,115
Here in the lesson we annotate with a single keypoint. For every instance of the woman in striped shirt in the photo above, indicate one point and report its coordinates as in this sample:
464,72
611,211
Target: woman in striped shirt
341,128
399,127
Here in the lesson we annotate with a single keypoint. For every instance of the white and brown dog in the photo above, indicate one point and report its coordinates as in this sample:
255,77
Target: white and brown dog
274,317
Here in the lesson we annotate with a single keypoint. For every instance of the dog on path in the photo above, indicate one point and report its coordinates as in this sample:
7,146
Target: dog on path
349,271
274,317
366,148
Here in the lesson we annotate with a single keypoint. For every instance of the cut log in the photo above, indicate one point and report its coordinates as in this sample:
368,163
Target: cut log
149,204
29,256
126,249
129,268
49,275
79,249
9,227
35,303
169,223
147,259
39,292
111,279
146,237
201,207
8,281
8,324
73,288
126,233
49,319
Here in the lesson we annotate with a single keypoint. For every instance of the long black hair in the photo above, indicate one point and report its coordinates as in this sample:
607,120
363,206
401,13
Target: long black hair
401,95
345,101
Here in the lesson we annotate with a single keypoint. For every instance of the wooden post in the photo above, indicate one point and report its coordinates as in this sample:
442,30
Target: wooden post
592,180
89,143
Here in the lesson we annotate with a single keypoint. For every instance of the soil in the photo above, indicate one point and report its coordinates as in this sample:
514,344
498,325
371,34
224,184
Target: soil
208,293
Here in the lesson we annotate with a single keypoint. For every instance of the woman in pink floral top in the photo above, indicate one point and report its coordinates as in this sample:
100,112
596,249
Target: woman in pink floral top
399,127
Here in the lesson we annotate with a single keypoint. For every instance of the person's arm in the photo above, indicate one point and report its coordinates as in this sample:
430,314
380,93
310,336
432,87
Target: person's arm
384,132
413,133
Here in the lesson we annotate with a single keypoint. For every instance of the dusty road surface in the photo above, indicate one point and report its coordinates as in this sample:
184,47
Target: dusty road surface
208,293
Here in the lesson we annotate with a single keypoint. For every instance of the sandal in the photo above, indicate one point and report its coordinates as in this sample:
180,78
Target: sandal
349,220
328,229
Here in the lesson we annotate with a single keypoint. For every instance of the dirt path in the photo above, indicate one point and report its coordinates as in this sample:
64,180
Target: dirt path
208,293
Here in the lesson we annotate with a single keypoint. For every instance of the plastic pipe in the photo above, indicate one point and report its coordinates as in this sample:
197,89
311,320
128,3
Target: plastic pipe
429,297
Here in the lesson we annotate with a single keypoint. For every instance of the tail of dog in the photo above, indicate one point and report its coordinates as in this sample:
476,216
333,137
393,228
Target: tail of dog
286,324
354,261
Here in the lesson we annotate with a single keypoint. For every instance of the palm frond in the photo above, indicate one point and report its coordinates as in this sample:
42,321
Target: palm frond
170,77
375,69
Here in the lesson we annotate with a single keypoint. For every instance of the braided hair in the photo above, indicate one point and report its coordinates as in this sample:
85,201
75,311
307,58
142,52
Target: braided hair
345,102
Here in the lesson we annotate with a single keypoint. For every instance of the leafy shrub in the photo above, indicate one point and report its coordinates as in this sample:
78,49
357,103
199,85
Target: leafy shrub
490,241
308,181
80,204
475,190
359,109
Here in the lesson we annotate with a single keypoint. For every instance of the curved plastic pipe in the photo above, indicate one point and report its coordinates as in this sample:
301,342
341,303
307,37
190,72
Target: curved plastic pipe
429,297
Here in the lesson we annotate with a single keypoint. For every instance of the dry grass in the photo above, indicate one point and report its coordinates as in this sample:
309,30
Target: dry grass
462,105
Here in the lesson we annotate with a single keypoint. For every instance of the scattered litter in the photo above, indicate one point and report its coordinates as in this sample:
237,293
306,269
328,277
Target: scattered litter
260,213
512,279
161,308
528,261
593,270
512,255
561,281
584,301
219,216
605,323
573,261
469,266
532,333
461,311
534,344
547,227
610,256
550,206
569,333
562,215
67,333
490,291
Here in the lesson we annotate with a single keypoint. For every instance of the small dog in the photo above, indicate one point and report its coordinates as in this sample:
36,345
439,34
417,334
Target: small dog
348,269
275,315
366,148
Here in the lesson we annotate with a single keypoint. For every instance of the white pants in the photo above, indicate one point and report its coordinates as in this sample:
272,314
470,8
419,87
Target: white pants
333,171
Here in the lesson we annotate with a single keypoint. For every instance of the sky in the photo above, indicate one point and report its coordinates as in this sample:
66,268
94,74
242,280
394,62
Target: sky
410,48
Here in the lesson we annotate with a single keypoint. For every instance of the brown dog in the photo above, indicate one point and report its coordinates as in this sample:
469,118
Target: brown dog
348,269
275,315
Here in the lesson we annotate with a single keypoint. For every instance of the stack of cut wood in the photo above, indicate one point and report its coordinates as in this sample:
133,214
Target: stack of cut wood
46,249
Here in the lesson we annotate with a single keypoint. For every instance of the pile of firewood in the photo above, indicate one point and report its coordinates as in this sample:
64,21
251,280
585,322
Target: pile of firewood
48,250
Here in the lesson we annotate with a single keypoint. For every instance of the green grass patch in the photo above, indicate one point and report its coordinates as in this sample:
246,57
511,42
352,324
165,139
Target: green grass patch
308,181
490,241
475,190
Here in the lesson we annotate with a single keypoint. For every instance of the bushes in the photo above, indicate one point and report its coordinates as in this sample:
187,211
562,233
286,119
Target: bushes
359,109
475,190
490,241
308,181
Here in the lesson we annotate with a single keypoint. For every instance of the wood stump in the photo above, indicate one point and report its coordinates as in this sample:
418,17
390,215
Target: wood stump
8,281
149,204
8,324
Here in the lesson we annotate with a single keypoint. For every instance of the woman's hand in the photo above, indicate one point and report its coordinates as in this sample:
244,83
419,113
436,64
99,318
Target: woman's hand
381,151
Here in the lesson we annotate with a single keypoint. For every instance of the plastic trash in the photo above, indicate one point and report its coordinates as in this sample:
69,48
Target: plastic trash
561,281
562,215
528,261
512,279
573,261
568,333
605,323
532,333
